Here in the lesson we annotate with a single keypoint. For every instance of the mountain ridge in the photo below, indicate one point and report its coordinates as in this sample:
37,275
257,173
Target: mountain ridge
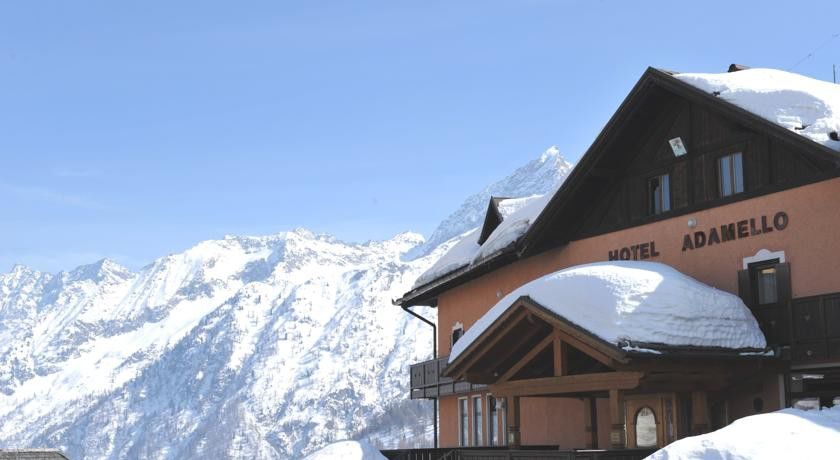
225,350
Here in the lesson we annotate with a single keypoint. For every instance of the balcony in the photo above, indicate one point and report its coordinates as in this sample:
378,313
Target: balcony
428,383
526,453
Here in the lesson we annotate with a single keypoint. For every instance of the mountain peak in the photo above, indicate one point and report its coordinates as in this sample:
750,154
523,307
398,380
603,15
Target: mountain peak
540,175
20,269
100,270
550,153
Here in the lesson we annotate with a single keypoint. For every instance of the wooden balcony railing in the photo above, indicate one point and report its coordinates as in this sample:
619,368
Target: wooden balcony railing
427,381
501,453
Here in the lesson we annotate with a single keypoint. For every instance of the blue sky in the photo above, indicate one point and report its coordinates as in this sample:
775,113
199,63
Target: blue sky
134,130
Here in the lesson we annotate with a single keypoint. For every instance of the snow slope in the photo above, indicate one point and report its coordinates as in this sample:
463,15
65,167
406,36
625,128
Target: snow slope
347,450
803,105
257,347
630,301
783,435
246,347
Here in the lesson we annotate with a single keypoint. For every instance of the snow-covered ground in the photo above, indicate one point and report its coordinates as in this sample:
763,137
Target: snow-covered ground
784,435
347,450
633,301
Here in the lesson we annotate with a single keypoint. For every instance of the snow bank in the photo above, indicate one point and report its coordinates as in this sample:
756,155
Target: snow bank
347,450
645,302
518,214
803,105
785,434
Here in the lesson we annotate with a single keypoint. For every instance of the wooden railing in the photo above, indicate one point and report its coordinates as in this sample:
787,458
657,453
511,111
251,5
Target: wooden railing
526,453
427,381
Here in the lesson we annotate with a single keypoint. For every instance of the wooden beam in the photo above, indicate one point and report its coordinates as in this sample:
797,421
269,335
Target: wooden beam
513,417
699,413
504,355
590,421
544,343
491,336
585,383
560,363
584,341
618,438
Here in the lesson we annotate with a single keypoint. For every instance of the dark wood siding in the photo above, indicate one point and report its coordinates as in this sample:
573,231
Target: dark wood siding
645,152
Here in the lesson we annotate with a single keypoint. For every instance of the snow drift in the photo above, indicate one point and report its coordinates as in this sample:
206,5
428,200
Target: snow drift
803,105
785,434
630,301
347,450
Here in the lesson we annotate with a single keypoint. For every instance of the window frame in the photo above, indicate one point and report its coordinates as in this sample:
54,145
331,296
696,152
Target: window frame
456,335
730,155
656,440
477,421
651,199
492,422
463,441
754,269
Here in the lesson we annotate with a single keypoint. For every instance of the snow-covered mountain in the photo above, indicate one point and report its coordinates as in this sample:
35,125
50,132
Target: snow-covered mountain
245,347
537,177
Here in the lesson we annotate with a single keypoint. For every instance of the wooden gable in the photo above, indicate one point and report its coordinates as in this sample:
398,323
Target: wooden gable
608,190
528,342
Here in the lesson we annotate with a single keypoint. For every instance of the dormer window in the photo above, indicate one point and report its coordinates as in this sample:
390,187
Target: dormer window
730,174
457,333
659,194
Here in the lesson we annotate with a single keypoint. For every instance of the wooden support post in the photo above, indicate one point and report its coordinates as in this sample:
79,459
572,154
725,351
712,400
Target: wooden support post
559,357
699,413
590,419
618,438
514,436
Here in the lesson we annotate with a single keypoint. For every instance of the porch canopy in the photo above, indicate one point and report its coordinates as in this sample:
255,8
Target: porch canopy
605,329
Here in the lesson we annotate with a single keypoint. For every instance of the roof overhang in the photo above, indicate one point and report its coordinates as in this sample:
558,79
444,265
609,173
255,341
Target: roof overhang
525,330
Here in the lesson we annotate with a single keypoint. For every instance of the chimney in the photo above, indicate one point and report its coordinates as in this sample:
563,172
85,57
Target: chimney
736,67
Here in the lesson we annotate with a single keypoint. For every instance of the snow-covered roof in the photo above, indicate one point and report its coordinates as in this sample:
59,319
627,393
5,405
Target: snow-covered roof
803,105
627,302
785,434
518,214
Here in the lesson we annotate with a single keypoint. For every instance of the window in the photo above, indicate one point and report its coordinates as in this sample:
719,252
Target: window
502,402
766,285
463,423
730,174
457,334
764,281
477,421
659,194
645,428
492,422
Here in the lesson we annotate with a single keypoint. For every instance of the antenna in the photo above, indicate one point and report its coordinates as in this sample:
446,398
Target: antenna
811,54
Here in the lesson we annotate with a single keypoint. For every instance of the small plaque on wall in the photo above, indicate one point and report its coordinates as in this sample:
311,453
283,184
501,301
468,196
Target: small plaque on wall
677,147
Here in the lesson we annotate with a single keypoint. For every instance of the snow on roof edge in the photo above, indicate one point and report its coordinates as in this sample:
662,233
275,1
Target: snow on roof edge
803,105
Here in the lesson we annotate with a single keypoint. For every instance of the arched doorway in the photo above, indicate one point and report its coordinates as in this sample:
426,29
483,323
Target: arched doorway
646,432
